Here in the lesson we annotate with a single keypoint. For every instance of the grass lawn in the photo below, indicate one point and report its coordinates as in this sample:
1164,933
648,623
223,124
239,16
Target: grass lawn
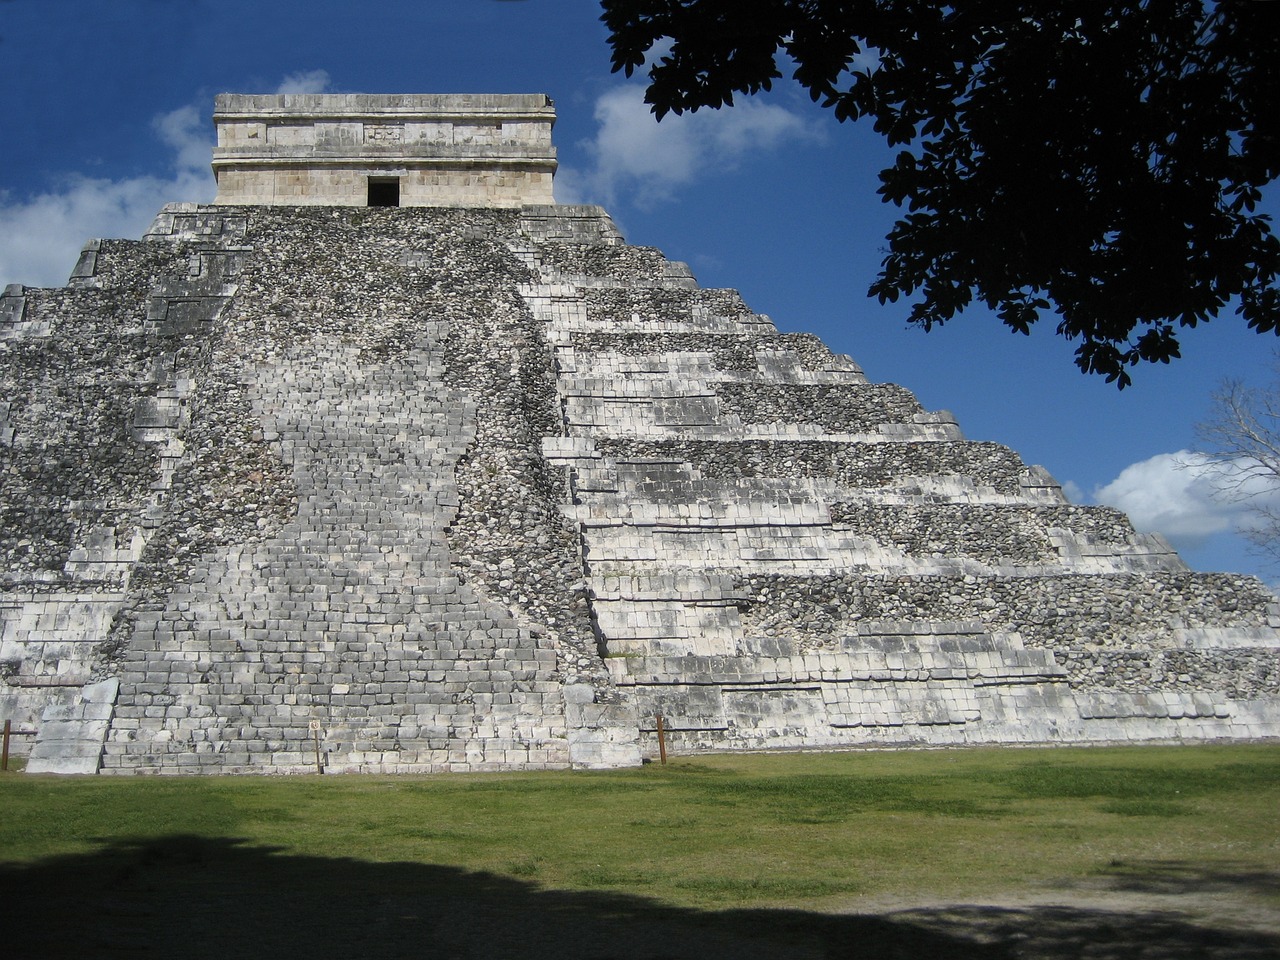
702,836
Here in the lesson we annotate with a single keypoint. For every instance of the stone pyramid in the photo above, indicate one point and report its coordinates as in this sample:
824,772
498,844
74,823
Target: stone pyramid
462,481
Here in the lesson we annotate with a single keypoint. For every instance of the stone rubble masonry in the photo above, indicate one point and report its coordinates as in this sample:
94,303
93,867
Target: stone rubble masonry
463,488
784,555
440,150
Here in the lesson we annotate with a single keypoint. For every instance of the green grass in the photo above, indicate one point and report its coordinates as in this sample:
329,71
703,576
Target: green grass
714,831
709,857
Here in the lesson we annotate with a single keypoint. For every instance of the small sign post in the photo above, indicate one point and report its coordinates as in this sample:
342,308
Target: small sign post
662,741
314,726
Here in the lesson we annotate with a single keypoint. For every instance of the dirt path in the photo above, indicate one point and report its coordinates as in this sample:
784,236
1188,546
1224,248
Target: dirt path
1170,912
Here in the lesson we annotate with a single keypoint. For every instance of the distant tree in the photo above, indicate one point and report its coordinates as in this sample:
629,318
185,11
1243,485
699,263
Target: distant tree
1239,450
1100,160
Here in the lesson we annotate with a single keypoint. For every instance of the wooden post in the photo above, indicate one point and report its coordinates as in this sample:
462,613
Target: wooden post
4,757
315,732
662,741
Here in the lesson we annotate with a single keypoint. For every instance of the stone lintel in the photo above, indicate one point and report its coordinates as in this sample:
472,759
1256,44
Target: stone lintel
389,161
300,106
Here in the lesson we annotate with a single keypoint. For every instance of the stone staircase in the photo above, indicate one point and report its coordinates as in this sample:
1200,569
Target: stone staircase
350,617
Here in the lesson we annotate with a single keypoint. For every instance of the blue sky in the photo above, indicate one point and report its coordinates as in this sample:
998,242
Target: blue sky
106,109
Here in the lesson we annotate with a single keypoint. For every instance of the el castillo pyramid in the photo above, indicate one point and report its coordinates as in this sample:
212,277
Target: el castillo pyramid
386,459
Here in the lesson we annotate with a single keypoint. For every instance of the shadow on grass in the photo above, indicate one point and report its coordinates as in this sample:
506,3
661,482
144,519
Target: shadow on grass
193,897
1179,878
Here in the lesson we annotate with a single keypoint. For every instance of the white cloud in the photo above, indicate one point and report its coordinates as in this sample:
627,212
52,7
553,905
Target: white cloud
1071,490
632,151
186,130
41,236
1181,496
305,81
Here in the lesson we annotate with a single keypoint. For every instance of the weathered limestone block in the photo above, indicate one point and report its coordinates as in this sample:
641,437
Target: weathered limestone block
568,223
600,735
16,321
71,734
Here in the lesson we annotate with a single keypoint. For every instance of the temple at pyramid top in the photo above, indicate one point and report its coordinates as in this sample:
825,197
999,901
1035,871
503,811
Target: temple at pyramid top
411,150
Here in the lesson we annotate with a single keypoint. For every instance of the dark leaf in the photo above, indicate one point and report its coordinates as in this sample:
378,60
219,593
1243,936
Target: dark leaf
1100,159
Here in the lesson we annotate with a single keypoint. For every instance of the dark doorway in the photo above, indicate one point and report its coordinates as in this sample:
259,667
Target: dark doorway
384,192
